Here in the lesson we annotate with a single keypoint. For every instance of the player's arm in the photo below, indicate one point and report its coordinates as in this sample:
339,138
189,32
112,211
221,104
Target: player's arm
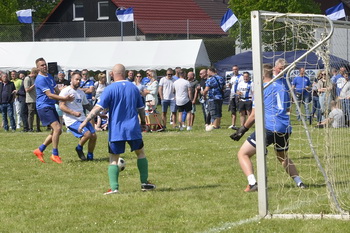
67,110
189,91
88,107
195,96
95,111
57,97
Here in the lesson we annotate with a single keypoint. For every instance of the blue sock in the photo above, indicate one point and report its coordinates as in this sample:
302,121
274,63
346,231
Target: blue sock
79,147
42,147
55,151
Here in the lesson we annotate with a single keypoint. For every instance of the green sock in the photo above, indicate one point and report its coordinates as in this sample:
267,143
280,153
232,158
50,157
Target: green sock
113,173
142,165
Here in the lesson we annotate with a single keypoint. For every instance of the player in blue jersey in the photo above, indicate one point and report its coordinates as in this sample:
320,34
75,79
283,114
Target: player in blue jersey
46,97
278,130
124,102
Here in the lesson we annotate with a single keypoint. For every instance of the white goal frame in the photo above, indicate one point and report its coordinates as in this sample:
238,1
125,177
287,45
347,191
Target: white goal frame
256,27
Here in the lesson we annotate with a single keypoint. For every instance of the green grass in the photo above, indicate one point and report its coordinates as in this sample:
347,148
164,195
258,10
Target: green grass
199,188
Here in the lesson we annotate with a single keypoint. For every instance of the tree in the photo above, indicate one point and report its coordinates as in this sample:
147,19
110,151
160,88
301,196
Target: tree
242,9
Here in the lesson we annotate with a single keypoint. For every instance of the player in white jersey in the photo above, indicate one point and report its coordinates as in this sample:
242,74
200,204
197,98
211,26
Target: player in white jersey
73,115
245,94
236,78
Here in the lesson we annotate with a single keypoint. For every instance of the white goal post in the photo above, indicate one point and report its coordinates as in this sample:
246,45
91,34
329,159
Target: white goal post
298,32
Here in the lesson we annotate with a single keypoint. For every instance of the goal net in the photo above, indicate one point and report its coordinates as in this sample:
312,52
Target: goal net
321,154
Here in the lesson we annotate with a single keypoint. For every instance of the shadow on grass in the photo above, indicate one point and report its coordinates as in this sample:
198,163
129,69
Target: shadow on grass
187,188
91,161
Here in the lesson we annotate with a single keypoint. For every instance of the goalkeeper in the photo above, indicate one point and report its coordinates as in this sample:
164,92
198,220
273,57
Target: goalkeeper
278,130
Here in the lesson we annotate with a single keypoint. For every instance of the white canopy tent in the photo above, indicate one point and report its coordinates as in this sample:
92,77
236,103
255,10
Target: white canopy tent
134,55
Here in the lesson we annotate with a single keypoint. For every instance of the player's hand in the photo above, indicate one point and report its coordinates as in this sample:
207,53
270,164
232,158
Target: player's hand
239,133
77,114
70,98
81,126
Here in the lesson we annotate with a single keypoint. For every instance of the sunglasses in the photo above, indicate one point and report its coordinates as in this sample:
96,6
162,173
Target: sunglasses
138,76
169,74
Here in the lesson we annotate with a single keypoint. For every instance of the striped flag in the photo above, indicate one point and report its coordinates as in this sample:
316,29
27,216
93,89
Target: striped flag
336,12
24,16
125,15
228,20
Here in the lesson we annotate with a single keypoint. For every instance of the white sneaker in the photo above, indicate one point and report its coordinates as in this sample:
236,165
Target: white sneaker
181,128
230,127
189,128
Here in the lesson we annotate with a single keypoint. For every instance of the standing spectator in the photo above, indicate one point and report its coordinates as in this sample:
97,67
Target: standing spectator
122,98
244,95
167,96
203,99
324,86
278,130
183,97
31,100
99,86
73,115
215,90
7,96
139,85
235,79
302,86
193,84
151,91
46,97
21,97
146,79
337,81
130,77
316,108
344,96
87,85
17,108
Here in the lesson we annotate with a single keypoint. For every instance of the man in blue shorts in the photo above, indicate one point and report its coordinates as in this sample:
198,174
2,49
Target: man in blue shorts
278,130
124,102
73,115
46,96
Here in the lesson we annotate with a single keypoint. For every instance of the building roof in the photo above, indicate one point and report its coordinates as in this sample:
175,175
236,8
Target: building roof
175,17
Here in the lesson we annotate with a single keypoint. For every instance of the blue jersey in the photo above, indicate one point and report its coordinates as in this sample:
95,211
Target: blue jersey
216,84
283,81
42,84
276,118
86,84
122,98
300,84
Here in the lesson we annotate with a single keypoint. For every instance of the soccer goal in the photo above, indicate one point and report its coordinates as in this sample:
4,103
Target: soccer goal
321,155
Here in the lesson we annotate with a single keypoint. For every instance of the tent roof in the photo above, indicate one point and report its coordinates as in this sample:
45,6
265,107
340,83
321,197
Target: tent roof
135,55
244,60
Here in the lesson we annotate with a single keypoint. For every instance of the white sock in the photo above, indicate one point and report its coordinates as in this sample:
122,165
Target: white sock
297,180
251,179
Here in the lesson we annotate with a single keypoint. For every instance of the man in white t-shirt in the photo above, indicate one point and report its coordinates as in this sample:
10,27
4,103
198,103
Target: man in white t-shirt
73,115
183,97
167,96
236,78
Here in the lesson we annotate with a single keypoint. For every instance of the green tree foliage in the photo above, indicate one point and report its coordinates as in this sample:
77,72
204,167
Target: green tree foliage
242,9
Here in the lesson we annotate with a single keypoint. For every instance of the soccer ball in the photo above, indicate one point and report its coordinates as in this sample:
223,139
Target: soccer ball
121,164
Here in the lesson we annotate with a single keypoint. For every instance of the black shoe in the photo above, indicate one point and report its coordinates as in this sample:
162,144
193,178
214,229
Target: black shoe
234,127
31,131
80,154
147,186
38,130
302,185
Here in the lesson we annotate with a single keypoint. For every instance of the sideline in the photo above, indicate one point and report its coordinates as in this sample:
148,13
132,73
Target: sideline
229,225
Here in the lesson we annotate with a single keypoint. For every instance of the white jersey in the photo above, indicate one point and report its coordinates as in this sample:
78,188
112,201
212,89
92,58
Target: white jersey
246,90
234,81
76,105
181,91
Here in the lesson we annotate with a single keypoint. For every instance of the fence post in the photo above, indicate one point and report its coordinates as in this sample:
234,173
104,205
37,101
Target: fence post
84,30
188,29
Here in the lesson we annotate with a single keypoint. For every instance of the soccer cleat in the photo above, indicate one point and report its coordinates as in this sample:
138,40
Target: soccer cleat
147,186
39,154
110,191
251,188
56,158
90,157
302,185
80,154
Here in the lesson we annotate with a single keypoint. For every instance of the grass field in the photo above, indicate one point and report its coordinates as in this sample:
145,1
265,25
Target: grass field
199,188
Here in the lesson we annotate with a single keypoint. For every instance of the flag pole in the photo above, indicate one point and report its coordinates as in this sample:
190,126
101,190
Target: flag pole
33,32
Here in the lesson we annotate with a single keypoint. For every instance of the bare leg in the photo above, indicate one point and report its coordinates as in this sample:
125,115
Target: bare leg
244,154
287,163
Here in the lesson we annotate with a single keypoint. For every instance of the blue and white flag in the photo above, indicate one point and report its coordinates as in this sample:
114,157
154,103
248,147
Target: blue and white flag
336,12
125,15
24,16
228,20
